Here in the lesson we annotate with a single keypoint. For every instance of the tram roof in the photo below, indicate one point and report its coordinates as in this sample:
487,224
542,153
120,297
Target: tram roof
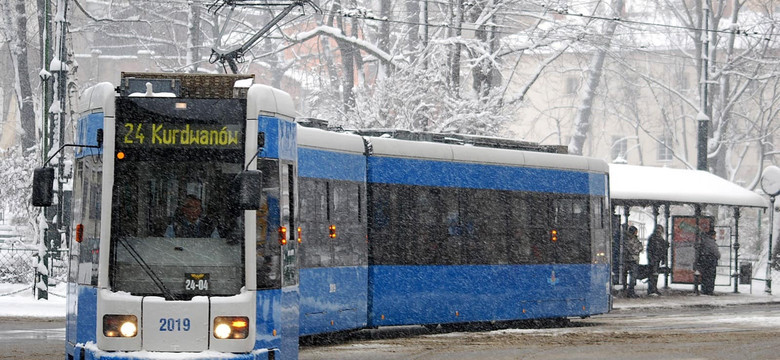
646,185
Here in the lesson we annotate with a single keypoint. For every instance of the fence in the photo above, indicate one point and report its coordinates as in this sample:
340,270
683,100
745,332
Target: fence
18,265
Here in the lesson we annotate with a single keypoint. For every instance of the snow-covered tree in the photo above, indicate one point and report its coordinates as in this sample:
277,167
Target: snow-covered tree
14,30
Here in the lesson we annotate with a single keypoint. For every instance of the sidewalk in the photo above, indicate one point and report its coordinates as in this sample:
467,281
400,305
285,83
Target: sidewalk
682,295
18,301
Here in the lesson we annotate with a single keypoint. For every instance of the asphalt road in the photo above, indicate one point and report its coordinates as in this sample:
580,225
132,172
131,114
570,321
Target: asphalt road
730,332
32,338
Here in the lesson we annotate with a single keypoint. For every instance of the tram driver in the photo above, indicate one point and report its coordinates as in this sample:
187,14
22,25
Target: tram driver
189,221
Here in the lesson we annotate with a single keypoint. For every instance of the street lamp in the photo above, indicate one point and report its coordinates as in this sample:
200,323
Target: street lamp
770,183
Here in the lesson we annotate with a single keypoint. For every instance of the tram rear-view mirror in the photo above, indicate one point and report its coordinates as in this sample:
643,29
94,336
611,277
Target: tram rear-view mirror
250,189
43,186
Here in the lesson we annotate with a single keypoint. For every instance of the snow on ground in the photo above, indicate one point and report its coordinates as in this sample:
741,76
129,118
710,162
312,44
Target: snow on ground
17,300
681,295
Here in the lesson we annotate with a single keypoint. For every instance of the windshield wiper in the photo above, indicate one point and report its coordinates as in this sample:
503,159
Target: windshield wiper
147,269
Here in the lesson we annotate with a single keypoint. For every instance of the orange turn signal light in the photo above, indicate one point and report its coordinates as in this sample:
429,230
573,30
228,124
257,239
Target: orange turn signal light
79,233
282,235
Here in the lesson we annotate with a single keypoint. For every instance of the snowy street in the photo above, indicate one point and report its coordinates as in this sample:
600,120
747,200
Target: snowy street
678,325
691,332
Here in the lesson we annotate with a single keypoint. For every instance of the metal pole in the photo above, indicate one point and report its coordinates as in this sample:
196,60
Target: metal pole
667,258
62,88
624,228
736,249
703,119
46,141
768,288
696,246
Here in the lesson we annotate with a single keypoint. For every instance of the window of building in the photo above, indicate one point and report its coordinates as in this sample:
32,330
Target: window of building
572,84
665,146
619,147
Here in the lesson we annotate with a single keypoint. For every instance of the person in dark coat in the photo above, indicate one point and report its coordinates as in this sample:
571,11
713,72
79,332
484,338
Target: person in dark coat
657,247
708,262
632,247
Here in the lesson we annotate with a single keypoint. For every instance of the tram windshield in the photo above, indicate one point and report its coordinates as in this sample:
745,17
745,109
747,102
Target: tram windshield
175,230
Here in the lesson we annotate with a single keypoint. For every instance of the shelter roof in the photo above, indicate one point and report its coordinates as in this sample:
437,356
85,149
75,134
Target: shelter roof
645,185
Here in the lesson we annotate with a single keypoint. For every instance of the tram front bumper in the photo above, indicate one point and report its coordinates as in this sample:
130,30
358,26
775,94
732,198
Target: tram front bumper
90,352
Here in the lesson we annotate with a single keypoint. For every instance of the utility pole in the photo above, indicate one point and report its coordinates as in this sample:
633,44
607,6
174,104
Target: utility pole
770,183
703,133
54,113
41,286
703,118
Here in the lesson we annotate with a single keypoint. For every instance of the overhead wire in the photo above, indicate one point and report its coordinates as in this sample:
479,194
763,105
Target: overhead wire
367,16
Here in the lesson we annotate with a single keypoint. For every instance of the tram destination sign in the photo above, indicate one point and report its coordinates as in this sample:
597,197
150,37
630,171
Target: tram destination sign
177,135
216,124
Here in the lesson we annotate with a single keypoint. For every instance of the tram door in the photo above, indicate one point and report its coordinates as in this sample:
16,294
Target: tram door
289,248
288,209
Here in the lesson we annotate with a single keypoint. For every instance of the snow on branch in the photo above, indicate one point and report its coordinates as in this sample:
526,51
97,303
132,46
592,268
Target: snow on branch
93,18
337,34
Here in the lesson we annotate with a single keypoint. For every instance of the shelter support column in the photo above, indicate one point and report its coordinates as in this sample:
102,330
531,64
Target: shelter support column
696,249
654,276
736,249
624,228
667,214
770,261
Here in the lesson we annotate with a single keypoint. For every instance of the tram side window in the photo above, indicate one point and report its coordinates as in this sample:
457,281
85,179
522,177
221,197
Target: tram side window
405,239
316,248
519,245
597,212
343,215
345,201
448,229
573,222
268,253
307,220
317,243
599,231
90,198
358,227
383,224
426,218
483,220
539,223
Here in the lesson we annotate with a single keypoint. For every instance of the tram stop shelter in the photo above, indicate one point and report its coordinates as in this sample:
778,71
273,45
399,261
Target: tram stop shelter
656,188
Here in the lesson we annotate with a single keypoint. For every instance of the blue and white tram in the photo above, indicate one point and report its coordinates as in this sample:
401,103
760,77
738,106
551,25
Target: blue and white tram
334,262
472,234
181,245
447,233
192,237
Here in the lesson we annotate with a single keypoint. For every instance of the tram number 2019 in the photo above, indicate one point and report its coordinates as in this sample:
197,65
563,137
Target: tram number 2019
171,324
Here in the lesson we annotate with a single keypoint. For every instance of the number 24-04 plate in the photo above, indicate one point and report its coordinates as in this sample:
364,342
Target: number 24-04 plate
197,282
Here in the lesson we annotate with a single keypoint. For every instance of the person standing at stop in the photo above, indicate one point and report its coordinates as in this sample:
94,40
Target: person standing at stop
657,247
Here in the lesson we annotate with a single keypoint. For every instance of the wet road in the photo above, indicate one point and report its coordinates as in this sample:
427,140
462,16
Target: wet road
732,332
22,339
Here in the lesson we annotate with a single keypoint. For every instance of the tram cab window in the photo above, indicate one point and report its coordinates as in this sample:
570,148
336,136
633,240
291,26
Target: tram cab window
176,219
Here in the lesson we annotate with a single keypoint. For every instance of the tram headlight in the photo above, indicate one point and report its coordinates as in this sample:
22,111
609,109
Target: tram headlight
231,327
120,325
